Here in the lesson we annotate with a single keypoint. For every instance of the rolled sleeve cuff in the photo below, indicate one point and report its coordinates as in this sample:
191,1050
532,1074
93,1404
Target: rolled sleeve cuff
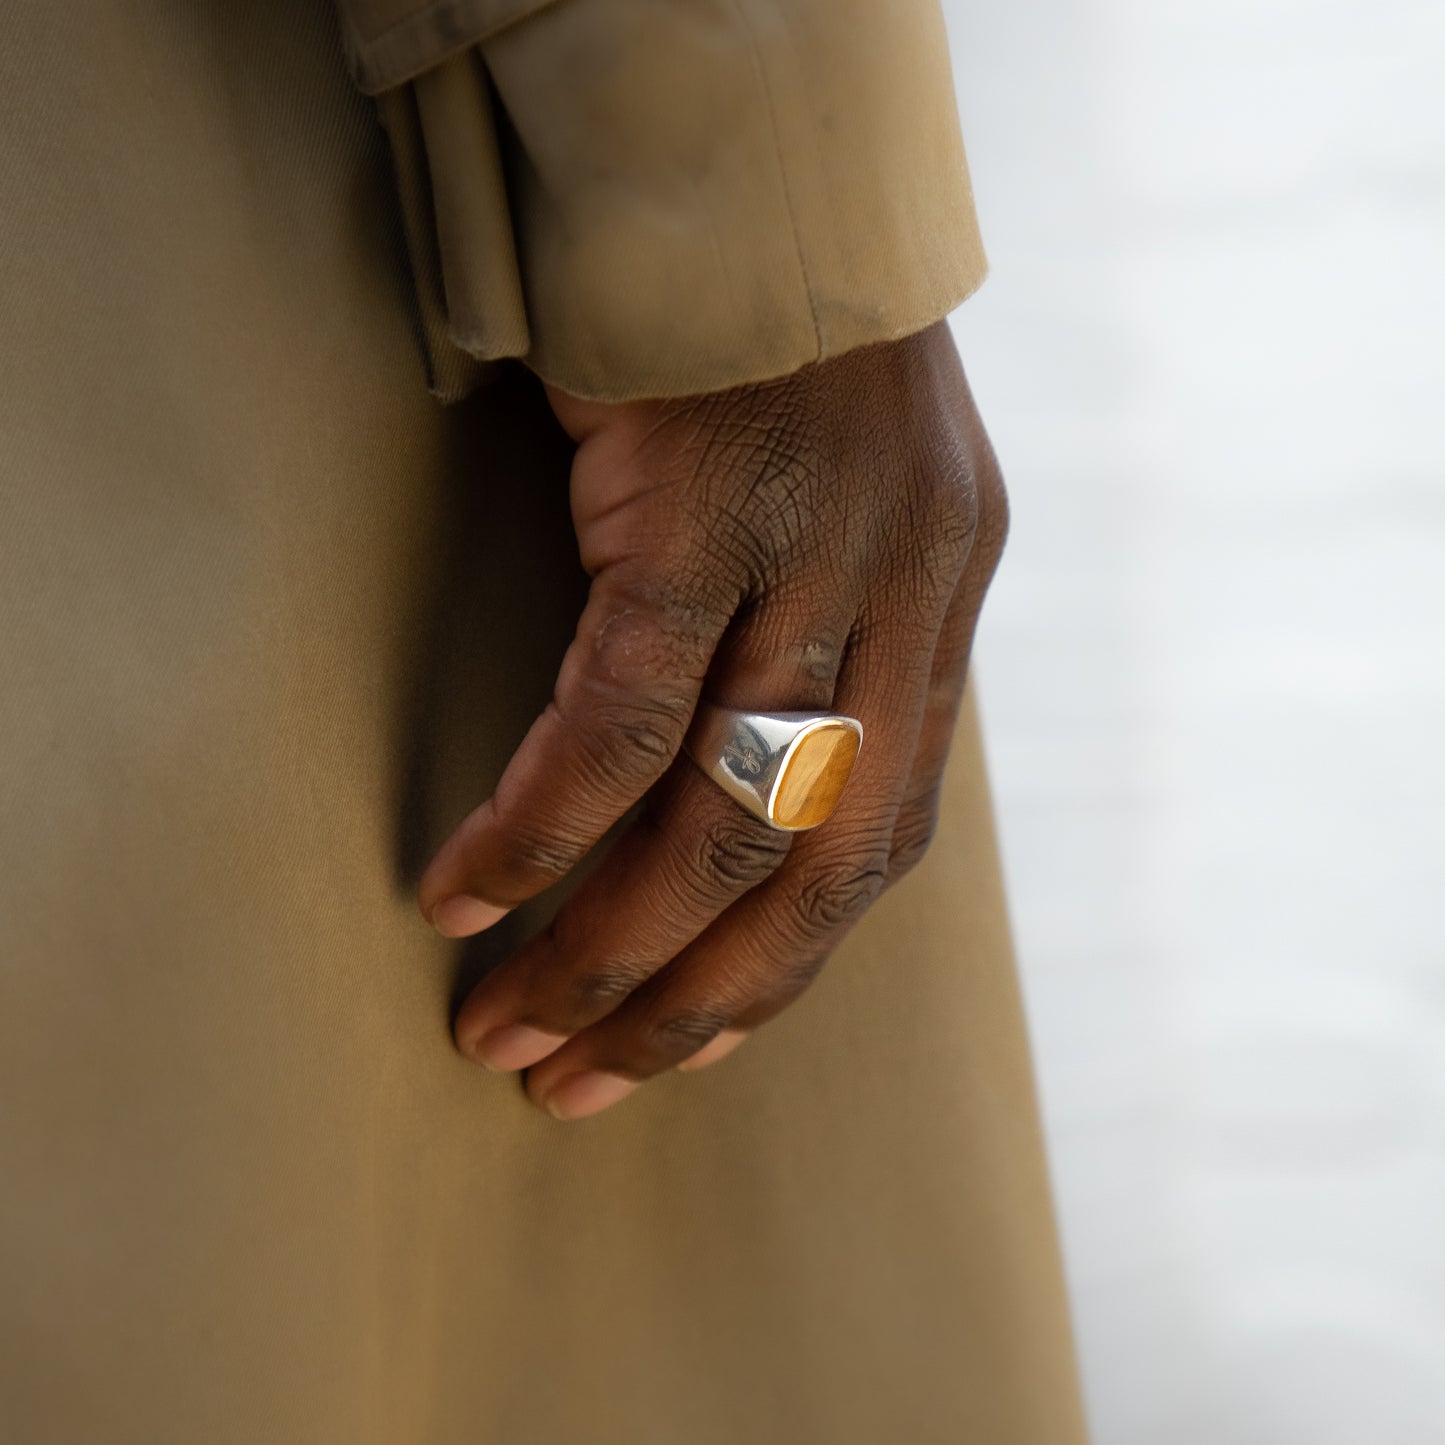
662,197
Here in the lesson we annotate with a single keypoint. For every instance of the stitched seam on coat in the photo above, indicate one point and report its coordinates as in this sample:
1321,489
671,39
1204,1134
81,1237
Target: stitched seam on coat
782,172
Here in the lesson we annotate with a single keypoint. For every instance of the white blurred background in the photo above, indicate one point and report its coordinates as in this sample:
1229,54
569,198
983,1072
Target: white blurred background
1212,357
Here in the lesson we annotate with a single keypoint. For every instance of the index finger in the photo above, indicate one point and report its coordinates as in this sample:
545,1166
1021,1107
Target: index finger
625,694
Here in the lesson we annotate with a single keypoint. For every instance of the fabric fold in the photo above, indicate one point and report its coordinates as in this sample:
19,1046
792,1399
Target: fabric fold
389,42
663,197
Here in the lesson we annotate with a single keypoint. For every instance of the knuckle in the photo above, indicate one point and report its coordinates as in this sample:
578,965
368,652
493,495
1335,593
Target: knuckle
798,977
912,837
599,990
635,738
838,896
993,524
651,731
953,516
739,855
935,532
659,615
965,500
680,1033
544,855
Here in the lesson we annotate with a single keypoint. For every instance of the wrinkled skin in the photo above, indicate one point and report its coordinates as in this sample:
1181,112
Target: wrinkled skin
822,542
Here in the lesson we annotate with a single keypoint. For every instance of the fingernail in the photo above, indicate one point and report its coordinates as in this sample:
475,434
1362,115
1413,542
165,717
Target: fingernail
587,1093
463,915
515,1046
720,1047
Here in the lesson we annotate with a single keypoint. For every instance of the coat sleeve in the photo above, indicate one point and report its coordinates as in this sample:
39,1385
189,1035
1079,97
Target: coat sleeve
662,197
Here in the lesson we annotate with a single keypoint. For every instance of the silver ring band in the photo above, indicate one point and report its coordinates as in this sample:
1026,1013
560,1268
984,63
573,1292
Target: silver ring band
787,768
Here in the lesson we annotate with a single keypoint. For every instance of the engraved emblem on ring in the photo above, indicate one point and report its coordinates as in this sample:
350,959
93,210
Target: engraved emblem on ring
746,753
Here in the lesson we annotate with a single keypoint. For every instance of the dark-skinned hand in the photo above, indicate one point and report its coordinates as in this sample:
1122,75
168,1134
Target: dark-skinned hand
823,543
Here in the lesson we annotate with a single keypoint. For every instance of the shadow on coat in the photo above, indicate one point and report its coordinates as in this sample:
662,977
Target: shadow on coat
507,595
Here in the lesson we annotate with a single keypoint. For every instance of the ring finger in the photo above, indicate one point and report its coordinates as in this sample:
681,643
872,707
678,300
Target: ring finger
776,937
691,854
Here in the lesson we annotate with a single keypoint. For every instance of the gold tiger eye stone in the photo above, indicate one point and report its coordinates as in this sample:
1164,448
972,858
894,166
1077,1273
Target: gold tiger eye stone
814,776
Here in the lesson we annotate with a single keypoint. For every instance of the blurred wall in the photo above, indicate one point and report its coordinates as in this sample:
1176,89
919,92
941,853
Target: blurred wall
1212,356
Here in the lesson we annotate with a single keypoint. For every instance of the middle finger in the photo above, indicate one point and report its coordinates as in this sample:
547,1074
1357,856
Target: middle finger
772,941
691,854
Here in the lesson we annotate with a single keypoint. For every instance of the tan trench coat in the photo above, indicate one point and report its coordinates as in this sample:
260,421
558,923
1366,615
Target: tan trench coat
271,619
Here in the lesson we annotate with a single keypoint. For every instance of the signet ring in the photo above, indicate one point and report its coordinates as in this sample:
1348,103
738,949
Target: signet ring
787,768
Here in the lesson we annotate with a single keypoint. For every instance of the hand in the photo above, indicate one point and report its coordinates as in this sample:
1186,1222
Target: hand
822,542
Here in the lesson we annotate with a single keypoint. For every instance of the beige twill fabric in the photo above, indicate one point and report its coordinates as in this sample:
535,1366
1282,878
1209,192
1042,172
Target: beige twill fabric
389,42
793,168
271,620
